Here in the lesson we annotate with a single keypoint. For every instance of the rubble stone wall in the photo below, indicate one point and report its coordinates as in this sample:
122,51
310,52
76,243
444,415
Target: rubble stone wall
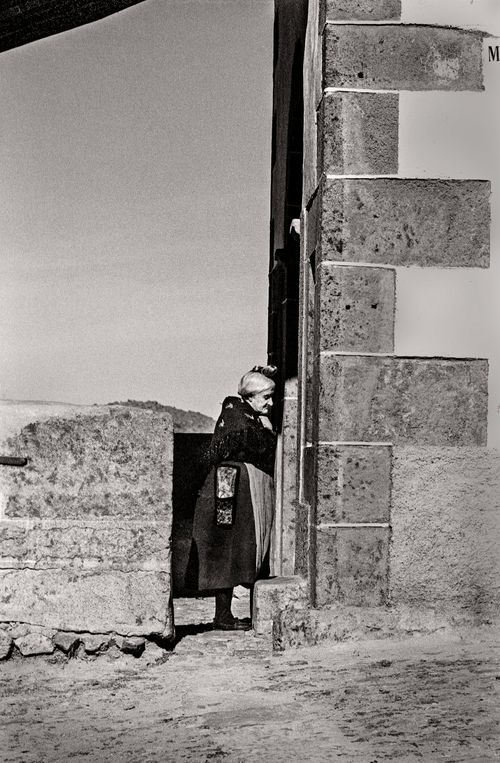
374,429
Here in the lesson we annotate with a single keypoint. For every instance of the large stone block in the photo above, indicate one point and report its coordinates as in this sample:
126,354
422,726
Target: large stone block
34,644
353,483
352,566
122,544
425,401
85,531
402,57
358,134
134,603
362,10
89,462
446,530
394,221
355,308
271,597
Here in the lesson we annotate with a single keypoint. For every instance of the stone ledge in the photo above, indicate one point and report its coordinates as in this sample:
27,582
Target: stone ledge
402,57
339,623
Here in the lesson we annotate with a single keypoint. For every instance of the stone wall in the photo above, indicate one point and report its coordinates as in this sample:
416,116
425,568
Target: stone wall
372,425
85,526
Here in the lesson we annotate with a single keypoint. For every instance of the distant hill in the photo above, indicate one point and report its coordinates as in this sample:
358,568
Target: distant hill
184,421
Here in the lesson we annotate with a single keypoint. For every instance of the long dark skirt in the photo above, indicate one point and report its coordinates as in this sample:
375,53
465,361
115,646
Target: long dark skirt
223,556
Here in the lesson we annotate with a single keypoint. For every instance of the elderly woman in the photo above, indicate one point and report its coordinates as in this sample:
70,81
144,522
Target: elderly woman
234,511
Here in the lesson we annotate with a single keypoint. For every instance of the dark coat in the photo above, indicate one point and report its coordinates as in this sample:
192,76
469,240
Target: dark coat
224,556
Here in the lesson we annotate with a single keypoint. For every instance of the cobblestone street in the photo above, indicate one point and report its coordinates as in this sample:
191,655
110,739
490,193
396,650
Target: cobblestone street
225,697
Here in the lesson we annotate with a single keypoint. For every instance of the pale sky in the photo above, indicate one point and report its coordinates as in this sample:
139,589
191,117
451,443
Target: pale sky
135,157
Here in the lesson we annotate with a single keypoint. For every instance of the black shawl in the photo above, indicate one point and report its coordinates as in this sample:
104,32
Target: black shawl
240,435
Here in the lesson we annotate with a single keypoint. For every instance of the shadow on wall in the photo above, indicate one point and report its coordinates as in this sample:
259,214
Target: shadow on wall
187,480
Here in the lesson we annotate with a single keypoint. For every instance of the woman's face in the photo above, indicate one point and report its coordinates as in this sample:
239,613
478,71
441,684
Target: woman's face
262,402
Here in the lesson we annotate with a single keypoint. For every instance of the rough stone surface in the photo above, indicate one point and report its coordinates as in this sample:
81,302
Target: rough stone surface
309,359
135,603
5,644
98,462
66,641
133,645
284,544
352,566
358,134
341,623
94,642
154,654
355,308
274,596
402,57
85,530
17,630
45,544
361,10
353,483
394,221
446,530
302,537
424,401
35,643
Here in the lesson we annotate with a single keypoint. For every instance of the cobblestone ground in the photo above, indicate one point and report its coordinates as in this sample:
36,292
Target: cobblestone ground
225,697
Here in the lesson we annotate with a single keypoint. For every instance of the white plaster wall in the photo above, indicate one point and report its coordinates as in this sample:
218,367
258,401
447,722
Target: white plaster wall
454,312
446,530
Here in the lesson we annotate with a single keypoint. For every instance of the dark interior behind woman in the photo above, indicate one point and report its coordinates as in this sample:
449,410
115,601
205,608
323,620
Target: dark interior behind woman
235,508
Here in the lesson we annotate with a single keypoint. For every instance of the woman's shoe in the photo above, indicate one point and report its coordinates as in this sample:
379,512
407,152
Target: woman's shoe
232,625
